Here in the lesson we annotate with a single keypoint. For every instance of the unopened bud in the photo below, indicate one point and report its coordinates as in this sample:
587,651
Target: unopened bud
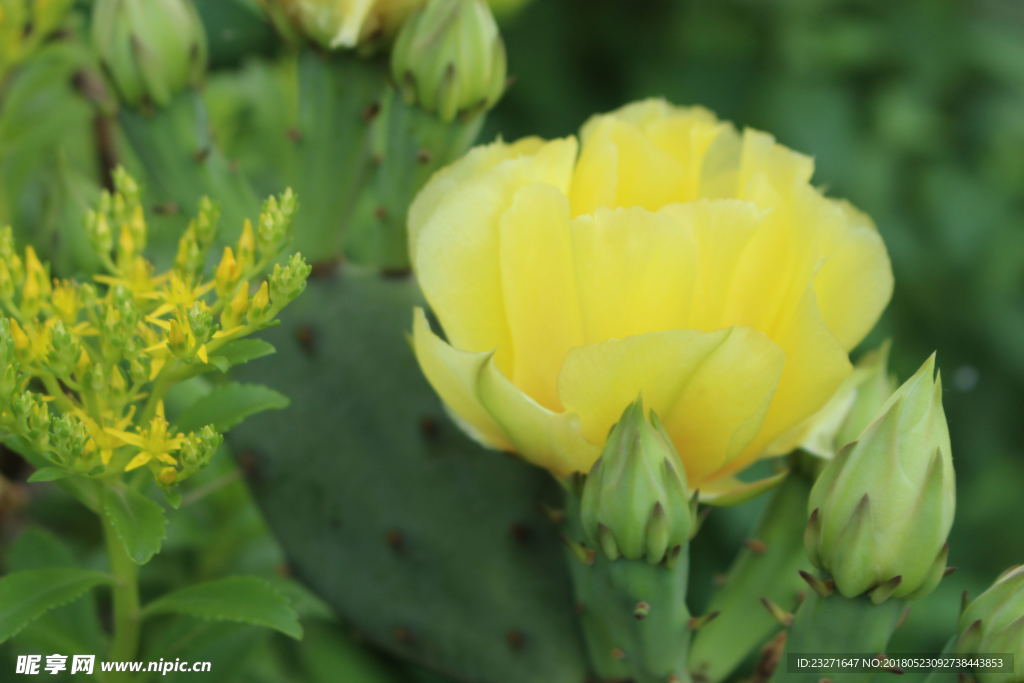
854,405
450,59
287,282
635,501
152,49
882,508
994,622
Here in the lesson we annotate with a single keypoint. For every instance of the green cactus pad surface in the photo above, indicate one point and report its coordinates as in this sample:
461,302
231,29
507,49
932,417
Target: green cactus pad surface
429,545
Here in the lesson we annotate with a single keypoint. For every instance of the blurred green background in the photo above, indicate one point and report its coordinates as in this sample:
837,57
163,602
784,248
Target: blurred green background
913,110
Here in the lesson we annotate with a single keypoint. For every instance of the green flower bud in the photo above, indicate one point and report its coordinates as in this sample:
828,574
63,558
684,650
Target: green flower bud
152,49
635,501
993,623
32,419
197,450
65,350
289,281
853,406
449,58
882,508
275,223
68,439
201,322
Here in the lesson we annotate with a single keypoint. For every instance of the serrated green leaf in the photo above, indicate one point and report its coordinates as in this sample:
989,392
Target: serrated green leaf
228,404
27,595
49,474
138,521
245,599
68,628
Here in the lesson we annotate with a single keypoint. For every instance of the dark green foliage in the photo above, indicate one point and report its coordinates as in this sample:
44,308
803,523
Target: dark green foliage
431,546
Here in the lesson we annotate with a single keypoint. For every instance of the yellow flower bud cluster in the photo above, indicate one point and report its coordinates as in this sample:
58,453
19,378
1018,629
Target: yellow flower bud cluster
84,366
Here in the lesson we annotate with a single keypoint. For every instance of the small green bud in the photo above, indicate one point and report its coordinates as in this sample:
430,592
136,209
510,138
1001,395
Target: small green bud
635,501
275,223
152,49
189,259
449,58
853,406
65,350
197,451
993,623
207,221
32,418
289,281
68,439
882,508
201,322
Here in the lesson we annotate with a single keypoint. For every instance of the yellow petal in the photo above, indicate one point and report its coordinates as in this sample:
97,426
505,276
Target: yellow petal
710,389
453,375
635,271
167,458
127,437
620,167
138,461
855,281
648,154
456,246
816,364
544,437
539,287
477,161
725,491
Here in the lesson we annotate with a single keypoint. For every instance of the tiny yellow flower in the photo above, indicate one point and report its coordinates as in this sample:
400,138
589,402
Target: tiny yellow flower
155,442
665,255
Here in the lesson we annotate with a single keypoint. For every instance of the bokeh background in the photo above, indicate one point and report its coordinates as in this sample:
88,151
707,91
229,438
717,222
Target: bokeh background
913,110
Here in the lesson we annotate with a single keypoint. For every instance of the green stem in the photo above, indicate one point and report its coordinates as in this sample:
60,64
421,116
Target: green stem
767,569
125,588
837,625
633,613
625,641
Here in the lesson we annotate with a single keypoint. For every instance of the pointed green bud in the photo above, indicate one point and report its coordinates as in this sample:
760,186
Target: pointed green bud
852,407
635,501
152,49
449,58
288,281
883,506
994,622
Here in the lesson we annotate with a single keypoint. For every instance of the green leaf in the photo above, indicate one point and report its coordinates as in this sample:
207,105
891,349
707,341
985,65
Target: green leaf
138,521
49,474
245,599
25,596
69,628
228,404
241,351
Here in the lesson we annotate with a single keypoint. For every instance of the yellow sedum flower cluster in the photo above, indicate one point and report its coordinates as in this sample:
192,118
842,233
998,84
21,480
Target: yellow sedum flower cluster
84,367
664,254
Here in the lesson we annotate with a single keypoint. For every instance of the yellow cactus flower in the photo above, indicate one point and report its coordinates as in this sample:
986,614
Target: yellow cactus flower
666,255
